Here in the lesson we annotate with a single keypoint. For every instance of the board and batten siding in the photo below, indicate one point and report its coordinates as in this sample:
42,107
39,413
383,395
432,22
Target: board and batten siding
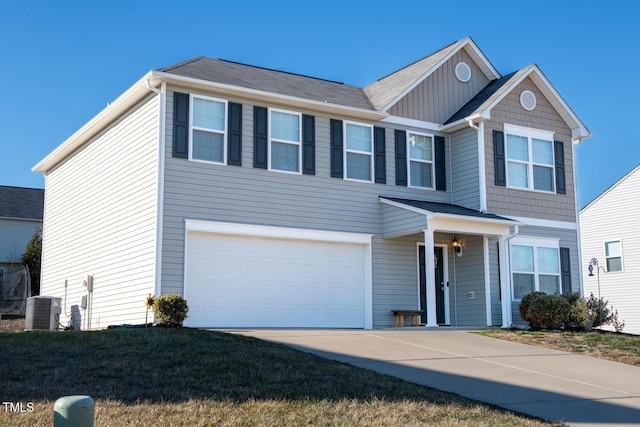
614,216
467,292
214,192
441,94
15,233
100,219
465,170
527,203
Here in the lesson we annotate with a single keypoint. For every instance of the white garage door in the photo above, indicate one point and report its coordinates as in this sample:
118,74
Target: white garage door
246,281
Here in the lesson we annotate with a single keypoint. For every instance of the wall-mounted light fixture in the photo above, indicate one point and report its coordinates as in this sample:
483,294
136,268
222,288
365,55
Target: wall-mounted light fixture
457,247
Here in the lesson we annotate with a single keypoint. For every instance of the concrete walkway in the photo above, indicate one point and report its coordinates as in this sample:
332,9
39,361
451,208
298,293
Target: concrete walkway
548,384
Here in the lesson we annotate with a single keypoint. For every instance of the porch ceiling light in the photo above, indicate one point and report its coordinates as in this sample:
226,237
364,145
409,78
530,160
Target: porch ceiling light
457,247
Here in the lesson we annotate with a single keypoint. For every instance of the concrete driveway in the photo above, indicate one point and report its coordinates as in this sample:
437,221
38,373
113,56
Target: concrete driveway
548,384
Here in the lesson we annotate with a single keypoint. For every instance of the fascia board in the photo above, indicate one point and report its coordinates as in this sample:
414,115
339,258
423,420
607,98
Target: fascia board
264,96
475,53
94,126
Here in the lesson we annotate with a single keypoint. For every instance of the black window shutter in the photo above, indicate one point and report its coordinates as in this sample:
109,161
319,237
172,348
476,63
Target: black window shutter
308,144
441,164
401,157
561,186
565,269
234,135
181,125
380,161
260,137
499,159
336,148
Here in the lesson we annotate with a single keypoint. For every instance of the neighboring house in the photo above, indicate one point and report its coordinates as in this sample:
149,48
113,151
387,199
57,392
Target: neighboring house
271,199
21,212
609,232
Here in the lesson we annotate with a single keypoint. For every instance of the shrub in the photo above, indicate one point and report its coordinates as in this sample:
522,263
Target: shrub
598,310
578,318
544,311
170,309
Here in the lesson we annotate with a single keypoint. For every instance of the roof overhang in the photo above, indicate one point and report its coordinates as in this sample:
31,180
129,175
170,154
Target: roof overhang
578,130
141,89
471,49
478,223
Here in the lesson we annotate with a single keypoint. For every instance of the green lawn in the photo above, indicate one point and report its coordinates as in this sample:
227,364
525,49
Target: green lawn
185,377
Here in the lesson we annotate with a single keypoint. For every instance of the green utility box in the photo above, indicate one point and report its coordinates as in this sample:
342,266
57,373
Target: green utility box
73,411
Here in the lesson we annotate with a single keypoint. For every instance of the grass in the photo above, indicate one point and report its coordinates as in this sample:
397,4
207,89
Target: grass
603,345
186,377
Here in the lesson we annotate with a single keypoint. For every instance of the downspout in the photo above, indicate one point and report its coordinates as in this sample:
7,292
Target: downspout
162,94
577,142
482,184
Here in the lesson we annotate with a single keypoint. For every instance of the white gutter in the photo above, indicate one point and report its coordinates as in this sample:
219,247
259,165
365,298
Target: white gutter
265,96
481,165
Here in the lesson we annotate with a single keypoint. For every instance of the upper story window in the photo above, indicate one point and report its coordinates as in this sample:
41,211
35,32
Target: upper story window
284,141
613,255
530,158
535,266
420,149
208,129
358,153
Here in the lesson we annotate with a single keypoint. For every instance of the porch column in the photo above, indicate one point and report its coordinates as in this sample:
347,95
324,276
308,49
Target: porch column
430,275
505,282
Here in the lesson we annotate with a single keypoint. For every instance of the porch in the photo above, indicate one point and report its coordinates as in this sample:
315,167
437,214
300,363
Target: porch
469,284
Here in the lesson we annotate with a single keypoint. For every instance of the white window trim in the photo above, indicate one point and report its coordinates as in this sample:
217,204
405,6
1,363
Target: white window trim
347,150
535,242
285,141
215,131
431,162
604,254
530,133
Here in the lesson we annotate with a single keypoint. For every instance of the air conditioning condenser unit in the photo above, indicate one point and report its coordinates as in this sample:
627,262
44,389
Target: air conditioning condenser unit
43,313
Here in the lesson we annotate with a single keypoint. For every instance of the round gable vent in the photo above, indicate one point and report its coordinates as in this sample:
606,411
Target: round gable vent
463,72
528,100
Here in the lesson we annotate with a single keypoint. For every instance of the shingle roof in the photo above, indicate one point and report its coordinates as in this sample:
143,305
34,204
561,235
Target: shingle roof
386,89
474,103
268,80
18,202
446,208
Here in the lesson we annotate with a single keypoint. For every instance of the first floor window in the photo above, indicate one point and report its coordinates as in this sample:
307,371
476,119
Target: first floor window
613,255
359,152
535,267
420,160
530,161
1,273
208,129
285,141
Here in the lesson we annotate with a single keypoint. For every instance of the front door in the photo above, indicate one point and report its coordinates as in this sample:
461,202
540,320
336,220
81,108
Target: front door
440,285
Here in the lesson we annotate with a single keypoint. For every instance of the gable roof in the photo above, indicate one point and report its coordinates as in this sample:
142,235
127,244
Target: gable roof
268,80
608,190
480,105
21,203
388,90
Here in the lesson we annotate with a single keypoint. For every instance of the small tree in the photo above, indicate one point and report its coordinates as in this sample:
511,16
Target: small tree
31,259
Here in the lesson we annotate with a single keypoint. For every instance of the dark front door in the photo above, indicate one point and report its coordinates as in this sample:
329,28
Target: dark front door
439,270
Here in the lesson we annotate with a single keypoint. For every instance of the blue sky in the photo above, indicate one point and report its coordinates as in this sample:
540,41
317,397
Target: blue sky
62,61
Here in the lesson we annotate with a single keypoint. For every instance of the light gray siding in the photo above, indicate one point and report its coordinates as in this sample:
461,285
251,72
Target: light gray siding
400,222
466,283
494,269
465,168
100,219
525,203
441,94
245,194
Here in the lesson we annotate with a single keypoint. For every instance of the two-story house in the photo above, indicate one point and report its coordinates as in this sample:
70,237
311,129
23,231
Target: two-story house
271,199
